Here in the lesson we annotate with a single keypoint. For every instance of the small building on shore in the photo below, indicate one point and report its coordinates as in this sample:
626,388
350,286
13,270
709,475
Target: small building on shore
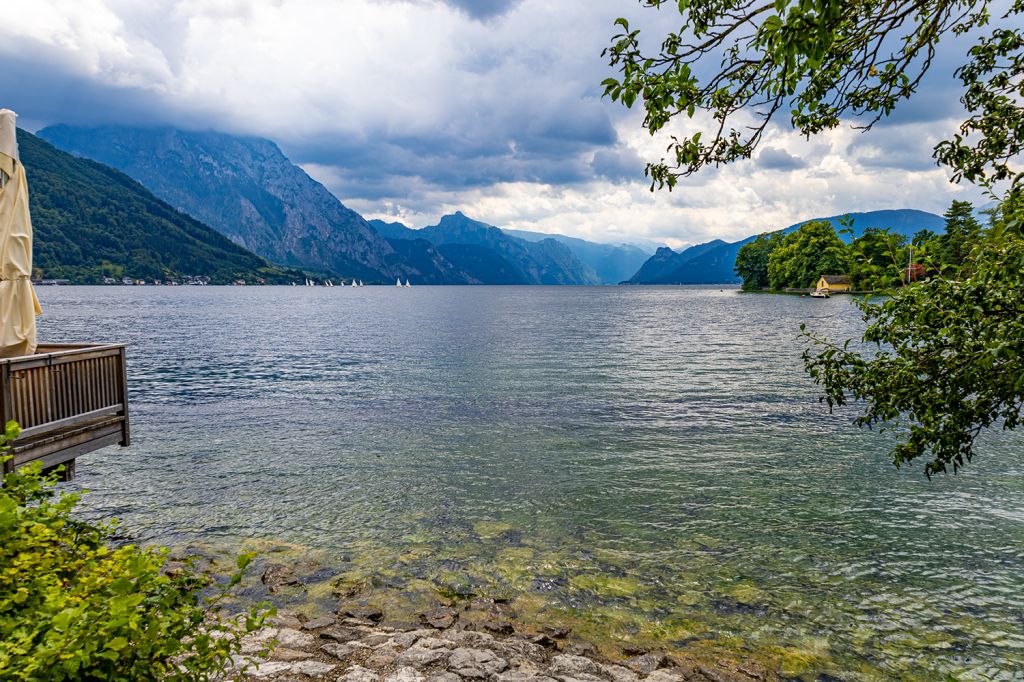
834,283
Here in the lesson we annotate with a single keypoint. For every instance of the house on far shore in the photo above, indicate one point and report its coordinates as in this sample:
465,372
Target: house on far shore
834,283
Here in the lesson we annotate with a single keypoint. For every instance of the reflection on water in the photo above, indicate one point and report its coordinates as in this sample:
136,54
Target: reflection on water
649,463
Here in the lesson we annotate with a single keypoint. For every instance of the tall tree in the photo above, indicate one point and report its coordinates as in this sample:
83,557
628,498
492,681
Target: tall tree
962,229
804,255
818,62
878,260
752,261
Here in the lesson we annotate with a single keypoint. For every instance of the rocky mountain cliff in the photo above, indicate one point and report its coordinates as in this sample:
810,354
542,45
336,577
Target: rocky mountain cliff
247,189
92,221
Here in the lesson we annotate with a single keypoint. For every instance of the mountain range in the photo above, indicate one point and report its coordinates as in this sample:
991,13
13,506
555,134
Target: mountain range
246,188
91,221
713,262
612,263
512,260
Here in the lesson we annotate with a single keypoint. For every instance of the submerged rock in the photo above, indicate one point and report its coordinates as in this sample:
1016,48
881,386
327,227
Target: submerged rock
440,618
277,577
365,614
646,664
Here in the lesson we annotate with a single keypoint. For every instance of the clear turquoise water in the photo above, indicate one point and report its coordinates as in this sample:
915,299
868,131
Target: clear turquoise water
647,464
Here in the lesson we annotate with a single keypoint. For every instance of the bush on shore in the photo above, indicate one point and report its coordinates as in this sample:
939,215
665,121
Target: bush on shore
75,607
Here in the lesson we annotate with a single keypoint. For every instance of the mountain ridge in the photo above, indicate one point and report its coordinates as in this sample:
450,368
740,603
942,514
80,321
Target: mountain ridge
91,221
547,261
244,187
715,265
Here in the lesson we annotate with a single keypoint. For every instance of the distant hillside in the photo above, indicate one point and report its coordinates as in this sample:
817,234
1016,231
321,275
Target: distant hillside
613,263
713,262
92,221
247,189
665,262
516,261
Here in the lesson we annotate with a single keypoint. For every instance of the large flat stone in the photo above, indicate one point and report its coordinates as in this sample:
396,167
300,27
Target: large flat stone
570,666
312,668
343,651
420,657
405,675
646,664
468,638
478,664
666,675
521,676
359,674
282,654
341,634
267,669
317,623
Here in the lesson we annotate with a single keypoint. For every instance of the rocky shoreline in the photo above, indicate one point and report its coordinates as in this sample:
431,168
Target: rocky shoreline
359,645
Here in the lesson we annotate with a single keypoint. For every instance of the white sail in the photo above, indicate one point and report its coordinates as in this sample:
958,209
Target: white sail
407,285
398,282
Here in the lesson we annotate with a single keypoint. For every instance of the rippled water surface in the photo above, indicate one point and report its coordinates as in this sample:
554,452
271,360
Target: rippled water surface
645,464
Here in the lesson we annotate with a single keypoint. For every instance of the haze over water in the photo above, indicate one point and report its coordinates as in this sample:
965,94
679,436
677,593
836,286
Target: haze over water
649,464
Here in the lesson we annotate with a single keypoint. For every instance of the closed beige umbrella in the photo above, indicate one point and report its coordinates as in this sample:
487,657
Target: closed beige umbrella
18,303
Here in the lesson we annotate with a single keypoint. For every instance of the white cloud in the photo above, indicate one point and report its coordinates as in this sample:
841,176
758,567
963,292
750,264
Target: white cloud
414,108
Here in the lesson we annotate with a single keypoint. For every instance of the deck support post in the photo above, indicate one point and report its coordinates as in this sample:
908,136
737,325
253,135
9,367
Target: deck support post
6,406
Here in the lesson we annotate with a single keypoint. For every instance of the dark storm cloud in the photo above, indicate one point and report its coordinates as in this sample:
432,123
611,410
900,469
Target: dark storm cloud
483,9
904,147
620,164
772,158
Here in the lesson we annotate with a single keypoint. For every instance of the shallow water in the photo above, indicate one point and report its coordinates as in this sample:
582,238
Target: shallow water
646,464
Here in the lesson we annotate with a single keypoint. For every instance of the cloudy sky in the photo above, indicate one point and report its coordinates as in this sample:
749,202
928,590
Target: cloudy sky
409,109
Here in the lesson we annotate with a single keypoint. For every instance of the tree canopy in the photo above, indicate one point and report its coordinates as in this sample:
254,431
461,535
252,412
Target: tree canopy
734,66
948,358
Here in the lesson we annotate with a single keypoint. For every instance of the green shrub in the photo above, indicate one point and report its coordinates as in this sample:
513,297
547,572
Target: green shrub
74,607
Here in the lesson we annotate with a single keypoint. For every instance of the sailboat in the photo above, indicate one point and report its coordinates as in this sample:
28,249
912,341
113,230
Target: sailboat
398,282
361,283
407,285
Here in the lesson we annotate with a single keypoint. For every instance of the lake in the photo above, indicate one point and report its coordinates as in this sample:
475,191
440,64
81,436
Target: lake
646,465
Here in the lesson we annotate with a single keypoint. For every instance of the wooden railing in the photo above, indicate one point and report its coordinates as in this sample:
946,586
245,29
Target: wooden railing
69,399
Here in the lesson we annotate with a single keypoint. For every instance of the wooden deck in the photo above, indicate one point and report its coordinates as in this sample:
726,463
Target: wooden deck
69,400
